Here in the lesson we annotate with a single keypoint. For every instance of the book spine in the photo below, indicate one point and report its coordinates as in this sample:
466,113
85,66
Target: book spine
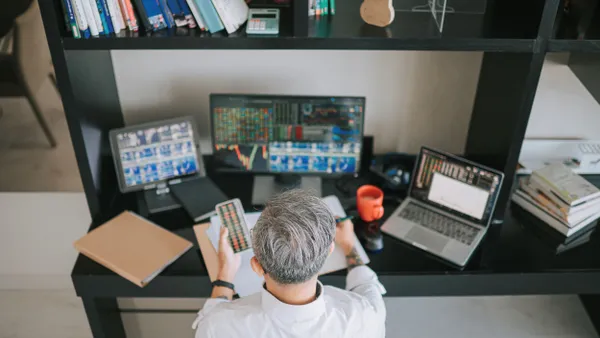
187,14
96,14
155,16
80,18
325,7
177,12
142,15
115,15
65,16
81,21
196,12
543,201
210,16
72,22
318,7
124,13
541,184
166,12
89,14
132,22
104,17
332,7
122,21
540,214
224,16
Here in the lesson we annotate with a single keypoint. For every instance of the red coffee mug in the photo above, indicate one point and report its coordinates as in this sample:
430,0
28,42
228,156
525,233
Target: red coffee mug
369,202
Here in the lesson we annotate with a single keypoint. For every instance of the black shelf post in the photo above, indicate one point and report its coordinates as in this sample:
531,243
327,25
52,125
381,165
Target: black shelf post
87,86
505,92
300,11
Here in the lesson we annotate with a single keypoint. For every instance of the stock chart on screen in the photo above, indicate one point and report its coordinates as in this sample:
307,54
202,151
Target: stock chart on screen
288,134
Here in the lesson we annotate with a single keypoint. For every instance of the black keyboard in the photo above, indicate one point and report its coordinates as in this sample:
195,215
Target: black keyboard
439,223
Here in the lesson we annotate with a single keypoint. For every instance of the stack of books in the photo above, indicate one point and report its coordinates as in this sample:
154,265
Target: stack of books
95,18
560,198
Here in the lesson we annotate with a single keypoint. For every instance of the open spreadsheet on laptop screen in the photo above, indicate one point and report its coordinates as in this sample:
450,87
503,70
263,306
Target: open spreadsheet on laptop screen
456,185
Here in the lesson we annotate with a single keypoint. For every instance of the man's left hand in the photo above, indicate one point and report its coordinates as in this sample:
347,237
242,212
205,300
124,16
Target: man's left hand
229,262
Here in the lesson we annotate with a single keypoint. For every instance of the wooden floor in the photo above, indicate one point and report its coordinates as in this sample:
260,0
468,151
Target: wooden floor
27,163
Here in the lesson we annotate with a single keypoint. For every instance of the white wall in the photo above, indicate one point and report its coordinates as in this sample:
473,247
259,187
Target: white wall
413,98
563,108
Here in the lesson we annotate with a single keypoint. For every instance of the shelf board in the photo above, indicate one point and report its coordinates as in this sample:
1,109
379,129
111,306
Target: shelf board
577,31
345,30
565,45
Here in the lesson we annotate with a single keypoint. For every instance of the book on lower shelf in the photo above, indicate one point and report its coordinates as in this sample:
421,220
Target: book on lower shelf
565,186
540,198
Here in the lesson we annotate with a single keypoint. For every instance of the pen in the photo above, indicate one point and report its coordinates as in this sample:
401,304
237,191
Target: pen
347,218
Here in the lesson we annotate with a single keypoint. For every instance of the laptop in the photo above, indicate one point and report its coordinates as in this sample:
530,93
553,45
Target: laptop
449,206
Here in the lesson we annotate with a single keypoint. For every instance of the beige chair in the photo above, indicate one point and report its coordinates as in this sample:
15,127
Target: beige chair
25,63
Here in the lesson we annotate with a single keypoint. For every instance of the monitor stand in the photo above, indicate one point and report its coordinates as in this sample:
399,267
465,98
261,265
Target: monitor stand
160,199
265,187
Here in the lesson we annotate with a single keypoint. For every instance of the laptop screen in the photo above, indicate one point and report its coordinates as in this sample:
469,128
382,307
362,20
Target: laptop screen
456,185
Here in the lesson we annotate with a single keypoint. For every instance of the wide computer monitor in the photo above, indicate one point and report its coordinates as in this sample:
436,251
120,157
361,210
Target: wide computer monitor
308,136
151,154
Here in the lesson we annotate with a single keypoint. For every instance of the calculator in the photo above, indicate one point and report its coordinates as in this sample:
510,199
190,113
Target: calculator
232,217
264,21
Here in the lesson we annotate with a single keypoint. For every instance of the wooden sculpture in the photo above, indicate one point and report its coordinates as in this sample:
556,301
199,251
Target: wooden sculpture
377,12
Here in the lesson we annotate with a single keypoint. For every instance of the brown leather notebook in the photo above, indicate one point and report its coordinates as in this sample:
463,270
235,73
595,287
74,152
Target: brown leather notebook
133,247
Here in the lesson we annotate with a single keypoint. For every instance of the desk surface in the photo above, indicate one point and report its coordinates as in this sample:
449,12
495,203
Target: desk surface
514,258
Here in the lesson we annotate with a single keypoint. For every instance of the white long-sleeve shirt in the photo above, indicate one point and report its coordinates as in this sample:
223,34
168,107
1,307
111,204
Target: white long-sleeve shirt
358,311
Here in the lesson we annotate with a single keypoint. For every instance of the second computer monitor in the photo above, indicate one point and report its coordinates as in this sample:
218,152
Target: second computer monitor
301,135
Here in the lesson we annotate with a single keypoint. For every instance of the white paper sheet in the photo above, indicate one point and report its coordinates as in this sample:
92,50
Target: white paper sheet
247,282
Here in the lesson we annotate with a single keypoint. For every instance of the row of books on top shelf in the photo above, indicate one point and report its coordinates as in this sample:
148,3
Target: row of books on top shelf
321,7
565,201
94,18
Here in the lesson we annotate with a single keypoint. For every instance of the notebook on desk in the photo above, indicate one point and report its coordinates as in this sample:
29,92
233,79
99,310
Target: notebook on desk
133,247
198,197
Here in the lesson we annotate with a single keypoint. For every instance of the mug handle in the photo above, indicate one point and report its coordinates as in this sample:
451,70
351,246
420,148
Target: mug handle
377,212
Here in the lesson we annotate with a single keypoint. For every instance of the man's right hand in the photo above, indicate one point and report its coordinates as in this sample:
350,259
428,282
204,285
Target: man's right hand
344,236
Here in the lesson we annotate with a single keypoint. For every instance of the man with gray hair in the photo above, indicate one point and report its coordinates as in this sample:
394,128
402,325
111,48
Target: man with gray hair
291,240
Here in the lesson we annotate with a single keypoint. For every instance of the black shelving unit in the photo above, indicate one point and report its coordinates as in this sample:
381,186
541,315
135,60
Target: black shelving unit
514,36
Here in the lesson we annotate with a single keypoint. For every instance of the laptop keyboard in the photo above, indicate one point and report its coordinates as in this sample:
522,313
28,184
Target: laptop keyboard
444,225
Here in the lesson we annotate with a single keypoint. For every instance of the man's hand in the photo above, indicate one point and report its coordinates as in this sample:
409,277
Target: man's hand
229,262
344,236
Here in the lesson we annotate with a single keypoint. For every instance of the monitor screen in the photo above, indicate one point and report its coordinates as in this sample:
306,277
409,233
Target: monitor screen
152,153
456,185
287,134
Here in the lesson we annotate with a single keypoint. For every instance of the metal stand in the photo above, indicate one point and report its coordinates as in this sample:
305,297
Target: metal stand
265,187
160,199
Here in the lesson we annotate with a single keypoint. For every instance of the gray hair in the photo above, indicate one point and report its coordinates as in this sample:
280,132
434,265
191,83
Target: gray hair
292,237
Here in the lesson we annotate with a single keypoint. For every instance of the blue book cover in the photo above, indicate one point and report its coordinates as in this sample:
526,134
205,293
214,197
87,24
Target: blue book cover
187,13
210,15
155,16
104,17
166,13
178,15
71,17
86,33
174,7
